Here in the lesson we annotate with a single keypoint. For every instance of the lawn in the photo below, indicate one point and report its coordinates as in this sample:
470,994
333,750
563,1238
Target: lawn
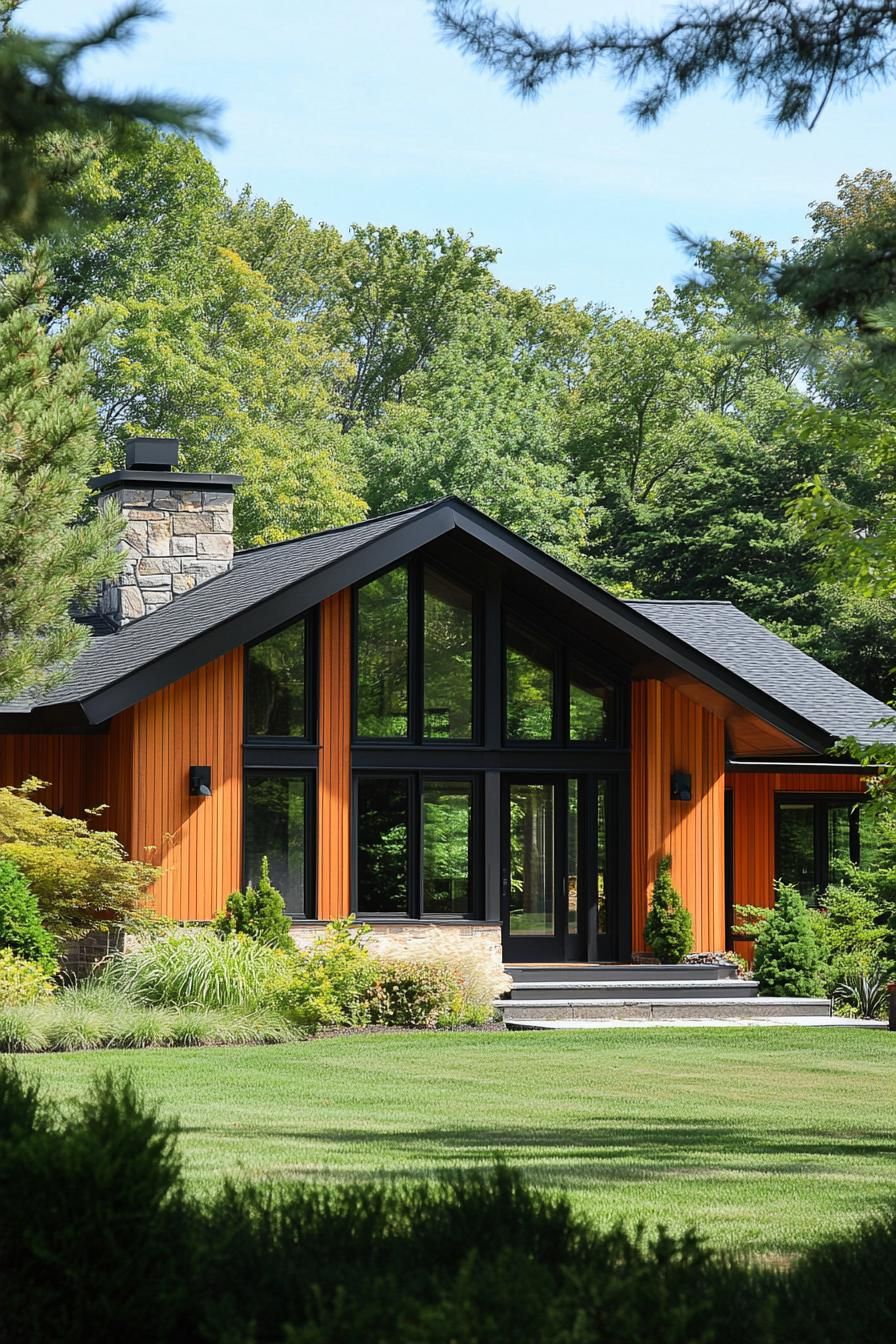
768,1139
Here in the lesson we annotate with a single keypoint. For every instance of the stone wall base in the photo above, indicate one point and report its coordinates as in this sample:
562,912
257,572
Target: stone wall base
82,955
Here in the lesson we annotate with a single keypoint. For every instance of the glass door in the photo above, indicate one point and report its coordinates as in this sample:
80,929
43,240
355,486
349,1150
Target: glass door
558,869
543,851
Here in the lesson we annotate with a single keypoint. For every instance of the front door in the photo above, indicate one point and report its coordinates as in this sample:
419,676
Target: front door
555,878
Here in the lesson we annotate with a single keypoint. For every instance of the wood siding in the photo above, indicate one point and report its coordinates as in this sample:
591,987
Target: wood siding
60,759
334,777
753,848
672,733
196,841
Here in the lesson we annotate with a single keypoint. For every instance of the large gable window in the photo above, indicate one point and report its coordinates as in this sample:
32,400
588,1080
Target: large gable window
276,698
382,656
529,686
447,659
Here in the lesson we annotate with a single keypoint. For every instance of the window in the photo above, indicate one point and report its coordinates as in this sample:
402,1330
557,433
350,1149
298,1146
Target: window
277,827
447,659
529,693
275,685
813,834
414,845
447,812
590,702
383,845
382,656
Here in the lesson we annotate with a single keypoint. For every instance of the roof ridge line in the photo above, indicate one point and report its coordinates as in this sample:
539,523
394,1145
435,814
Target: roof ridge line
343,527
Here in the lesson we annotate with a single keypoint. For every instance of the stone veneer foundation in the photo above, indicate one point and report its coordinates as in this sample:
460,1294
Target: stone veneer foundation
420,940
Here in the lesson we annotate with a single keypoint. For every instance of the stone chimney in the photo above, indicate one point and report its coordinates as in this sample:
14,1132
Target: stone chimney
178,529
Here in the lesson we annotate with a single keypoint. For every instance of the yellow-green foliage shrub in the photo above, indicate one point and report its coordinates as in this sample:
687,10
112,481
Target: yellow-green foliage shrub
331,983
82,878
21,981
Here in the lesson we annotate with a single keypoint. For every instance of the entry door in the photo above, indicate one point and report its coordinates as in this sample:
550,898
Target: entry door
543,850
560,868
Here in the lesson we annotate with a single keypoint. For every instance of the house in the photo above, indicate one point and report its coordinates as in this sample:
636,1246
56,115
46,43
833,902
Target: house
426,720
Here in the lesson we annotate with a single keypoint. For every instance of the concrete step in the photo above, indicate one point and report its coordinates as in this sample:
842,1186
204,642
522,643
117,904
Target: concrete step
568,990
641,974
651,1009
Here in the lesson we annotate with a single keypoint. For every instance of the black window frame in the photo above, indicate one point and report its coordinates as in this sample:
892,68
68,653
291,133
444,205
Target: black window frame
310,825
416,779
310,619
821,804
415,567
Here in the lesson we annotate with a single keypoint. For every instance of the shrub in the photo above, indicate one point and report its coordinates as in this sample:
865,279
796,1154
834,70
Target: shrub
862,994
193,968
82,878
668,930
413,994
786,960
331,983
479,976
258,912
21,929
22,980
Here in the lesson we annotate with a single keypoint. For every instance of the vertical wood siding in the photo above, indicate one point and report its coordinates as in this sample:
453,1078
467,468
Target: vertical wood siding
196,841
334,776
672,733
61,759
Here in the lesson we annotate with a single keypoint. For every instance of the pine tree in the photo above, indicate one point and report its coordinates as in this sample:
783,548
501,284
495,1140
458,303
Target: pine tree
786,956
49,445
669,930
50,127
258,911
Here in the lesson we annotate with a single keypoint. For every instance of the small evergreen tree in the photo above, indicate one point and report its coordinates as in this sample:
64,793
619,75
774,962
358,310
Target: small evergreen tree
258,911
786,958
669,930
49,445
21,929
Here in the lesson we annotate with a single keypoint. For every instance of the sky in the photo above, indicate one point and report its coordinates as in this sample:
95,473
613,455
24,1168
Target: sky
354,112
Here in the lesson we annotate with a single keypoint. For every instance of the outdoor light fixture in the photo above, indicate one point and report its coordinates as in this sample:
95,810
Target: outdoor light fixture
201,781
681,787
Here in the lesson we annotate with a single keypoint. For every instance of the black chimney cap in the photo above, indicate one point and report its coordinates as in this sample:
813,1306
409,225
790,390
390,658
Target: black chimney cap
151,454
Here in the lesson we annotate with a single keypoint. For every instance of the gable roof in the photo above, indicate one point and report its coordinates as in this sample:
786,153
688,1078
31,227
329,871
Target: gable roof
270,585
736,642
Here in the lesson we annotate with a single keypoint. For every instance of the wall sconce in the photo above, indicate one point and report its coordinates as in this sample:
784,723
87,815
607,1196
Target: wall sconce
200,781
681,787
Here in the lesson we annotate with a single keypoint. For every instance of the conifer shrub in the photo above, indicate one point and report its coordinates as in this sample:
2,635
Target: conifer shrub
668,930
786,959
259,912
21,929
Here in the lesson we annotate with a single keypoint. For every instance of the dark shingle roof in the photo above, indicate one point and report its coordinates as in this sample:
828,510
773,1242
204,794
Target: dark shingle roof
272,584
256,575
743,646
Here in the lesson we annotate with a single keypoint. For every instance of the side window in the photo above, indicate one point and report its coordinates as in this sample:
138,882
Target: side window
529,686
276,698
277,828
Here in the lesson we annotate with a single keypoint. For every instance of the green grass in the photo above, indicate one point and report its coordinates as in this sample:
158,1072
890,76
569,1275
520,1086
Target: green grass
769,1139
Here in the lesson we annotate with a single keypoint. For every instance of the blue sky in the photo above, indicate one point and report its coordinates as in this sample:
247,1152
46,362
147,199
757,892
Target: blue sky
354,112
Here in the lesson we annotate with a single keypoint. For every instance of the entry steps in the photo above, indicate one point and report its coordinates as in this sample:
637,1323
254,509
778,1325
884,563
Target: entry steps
646,992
